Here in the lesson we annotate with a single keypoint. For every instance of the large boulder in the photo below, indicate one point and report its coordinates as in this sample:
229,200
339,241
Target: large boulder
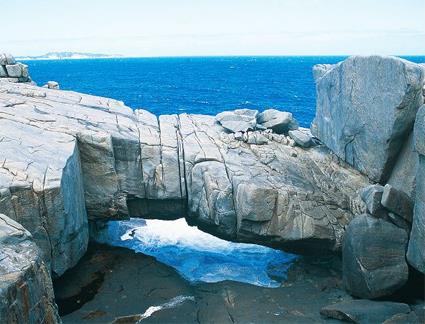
374,263
26,292
239,120
366,107
279,121
416,250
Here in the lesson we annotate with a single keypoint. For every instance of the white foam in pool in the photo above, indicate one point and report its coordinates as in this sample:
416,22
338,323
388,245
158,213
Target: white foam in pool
199,256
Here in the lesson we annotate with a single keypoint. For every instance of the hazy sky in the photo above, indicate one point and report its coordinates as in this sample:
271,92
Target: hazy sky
216,27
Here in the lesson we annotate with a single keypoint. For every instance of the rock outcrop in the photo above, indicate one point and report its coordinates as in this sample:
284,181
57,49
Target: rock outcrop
416,251
67,159
26,292
12,71
366,107
133,163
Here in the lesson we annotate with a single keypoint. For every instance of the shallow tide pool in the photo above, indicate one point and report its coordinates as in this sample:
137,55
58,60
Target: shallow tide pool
198,256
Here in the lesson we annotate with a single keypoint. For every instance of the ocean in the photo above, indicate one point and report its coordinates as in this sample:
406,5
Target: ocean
201,85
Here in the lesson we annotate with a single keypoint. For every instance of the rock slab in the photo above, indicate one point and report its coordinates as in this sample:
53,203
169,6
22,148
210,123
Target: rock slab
373,253
366,107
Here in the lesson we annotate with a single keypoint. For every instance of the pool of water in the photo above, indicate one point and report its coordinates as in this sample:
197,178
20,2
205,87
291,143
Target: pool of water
198,256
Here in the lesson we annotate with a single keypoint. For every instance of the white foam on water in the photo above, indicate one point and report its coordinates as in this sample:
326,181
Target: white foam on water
196,255
174,302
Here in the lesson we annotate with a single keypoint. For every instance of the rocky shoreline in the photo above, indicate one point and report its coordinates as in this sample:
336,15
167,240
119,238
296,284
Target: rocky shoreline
354,184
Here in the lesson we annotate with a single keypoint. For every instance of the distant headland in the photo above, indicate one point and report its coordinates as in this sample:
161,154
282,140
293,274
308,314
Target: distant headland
68,56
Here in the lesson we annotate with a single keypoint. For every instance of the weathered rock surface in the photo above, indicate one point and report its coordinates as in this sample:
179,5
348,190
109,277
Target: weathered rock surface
239,120
302,138
416,250
279,121
374,263
133,163
367,104
372,196
26,292
41,185
403,175
397,202
365,311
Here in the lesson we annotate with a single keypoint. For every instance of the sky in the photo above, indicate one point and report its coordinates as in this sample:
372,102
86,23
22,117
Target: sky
214,27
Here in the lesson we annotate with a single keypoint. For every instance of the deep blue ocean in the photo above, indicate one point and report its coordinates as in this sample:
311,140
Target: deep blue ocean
205,85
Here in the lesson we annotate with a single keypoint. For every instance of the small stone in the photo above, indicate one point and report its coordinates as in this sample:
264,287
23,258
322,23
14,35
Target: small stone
256,138
301,138
239,136
372,196
397,202
52,85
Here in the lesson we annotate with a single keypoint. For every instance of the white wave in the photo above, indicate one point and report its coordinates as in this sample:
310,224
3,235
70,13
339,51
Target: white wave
174,302
199,256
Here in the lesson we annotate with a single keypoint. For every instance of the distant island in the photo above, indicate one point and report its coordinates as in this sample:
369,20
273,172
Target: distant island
68,56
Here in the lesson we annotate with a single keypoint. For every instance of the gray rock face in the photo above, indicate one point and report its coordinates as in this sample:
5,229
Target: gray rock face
279,121
372,196
239,120
26,292
365,311
398,202
373,264
367,104
132,163
416,251
11,71
403,175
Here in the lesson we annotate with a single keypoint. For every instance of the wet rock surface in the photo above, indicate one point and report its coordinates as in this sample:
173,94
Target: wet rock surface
134,282
366,311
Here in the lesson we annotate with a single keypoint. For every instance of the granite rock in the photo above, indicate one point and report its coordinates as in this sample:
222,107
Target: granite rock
302,138
26,292
279,121
372,196
373,264
368,104
416,251
397,202
239,120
